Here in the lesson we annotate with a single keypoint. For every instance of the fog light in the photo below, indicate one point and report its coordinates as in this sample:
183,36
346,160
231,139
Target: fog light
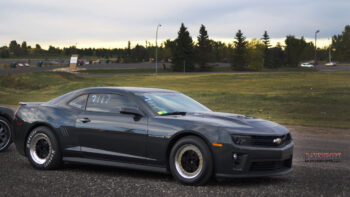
235,156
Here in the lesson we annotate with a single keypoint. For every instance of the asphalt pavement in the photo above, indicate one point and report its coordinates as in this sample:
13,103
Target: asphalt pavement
101,66
18,178
337,68
144,65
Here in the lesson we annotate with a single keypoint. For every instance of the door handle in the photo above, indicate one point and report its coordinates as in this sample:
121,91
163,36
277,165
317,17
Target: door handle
84,120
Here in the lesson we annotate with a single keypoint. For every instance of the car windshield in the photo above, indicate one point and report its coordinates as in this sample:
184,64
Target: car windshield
167,103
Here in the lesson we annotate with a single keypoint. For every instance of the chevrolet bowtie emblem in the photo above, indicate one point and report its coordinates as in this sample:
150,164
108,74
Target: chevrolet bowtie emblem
277,141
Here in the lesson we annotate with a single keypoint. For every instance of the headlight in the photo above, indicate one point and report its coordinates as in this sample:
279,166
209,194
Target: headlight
241,139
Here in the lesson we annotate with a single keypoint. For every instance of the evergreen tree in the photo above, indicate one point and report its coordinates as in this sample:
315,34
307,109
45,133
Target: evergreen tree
203,48
277,56
183,56
53,51
294,50
169,47
266,39
24,48
128,52
15,48
238,60
38,49
4,52
139,53
341,44
267,53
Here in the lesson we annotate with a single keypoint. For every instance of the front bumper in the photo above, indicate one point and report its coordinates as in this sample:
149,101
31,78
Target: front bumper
253,161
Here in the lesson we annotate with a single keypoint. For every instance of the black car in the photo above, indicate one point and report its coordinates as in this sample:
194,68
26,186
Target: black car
6,119
150,129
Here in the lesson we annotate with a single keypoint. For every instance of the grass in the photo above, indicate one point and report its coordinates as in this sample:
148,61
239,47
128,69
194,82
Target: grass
214,69
123,71
281,69
304,98
4,66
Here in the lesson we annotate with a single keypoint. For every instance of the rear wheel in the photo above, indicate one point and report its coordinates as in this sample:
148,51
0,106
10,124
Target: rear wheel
191,161
42,149
5,134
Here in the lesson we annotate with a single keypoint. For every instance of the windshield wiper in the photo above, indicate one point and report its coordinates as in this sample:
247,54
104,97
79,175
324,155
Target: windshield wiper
174,113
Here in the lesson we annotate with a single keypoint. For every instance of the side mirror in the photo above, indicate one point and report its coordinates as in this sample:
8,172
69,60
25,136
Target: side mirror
131,110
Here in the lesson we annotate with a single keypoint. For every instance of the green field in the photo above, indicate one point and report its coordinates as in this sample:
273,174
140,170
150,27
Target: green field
213,69
123,71
304,98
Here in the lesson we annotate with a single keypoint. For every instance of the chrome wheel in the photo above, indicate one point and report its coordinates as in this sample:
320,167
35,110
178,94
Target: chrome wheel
5,134
40,148
189,161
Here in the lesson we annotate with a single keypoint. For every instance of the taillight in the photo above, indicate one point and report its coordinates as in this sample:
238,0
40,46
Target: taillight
15,115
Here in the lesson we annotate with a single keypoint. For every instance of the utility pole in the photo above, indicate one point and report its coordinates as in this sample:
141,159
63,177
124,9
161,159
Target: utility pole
315,59
330,55
159,25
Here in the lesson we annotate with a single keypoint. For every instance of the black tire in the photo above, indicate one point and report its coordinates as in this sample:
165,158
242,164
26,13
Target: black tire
5,134
42,149
185,163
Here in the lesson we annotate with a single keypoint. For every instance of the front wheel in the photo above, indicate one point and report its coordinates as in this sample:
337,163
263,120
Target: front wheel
42,149
5,134
191,161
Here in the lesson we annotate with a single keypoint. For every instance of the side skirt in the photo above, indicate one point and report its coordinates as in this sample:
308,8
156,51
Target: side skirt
115,164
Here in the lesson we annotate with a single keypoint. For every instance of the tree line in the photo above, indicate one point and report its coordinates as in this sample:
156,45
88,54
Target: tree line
185,53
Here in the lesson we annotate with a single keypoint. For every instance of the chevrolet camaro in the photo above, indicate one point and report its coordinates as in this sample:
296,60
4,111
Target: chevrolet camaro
150,129
6,118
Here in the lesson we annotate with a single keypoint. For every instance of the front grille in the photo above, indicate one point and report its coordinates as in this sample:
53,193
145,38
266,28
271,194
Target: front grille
263,141
268,140
270,165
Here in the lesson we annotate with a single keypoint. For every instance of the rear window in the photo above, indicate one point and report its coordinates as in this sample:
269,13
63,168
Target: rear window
79,102
61,98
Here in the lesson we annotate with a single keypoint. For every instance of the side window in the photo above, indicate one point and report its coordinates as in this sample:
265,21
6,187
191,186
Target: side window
79,102
106,102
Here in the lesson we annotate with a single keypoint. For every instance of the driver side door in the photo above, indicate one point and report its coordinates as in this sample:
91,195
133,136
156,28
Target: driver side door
105,133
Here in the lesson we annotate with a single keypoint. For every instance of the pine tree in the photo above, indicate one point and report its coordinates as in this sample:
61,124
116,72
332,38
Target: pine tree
277,56
15,48
266,39
38,49
294,50
203,48
183,56
267,54
24,48
4,52
341,44
238,60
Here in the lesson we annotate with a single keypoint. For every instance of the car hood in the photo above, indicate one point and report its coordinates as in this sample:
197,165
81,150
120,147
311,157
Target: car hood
234,123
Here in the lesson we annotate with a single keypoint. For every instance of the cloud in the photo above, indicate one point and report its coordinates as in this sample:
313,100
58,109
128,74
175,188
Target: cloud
68,22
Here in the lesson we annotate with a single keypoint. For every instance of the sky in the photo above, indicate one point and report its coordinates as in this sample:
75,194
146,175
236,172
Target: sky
112,23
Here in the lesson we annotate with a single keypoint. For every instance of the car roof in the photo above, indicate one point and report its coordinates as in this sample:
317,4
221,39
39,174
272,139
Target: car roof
129,89
132,90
